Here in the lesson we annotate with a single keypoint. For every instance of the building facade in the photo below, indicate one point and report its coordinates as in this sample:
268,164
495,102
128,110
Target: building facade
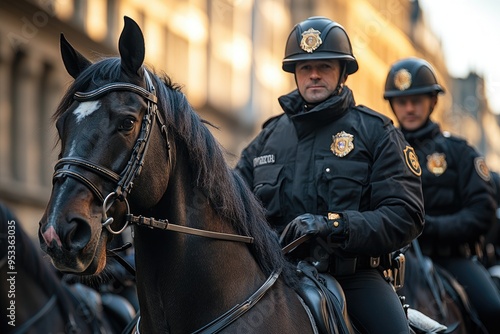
225,53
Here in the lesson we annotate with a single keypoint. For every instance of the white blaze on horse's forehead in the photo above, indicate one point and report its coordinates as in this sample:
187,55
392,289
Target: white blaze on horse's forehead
85,108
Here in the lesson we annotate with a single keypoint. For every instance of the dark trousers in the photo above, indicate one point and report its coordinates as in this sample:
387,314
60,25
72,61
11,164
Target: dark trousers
480,288
372,304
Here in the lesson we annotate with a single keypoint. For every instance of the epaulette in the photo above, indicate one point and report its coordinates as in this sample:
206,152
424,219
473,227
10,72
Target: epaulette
448,135
271,120
371,112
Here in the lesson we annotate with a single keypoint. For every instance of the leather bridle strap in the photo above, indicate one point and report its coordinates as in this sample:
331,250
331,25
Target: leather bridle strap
163,224
235,312
238,310
62,169
116,86
294,244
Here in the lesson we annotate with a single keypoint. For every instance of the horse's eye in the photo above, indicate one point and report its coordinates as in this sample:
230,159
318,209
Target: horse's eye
127,124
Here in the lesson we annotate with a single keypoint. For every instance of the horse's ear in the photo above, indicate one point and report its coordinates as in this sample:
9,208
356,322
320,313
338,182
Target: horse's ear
73,60
131,46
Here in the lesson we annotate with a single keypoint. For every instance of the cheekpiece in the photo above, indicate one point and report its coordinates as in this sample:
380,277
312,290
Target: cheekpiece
310,40
402,79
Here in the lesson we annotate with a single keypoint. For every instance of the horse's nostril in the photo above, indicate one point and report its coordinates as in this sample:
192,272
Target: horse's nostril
79,233
51,238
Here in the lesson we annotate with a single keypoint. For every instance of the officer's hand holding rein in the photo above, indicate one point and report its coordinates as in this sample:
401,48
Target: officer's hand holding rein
332,229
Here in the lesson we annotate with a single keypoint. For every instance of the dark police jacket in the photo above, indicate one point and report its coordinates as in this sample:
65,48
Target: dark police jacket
458,192
338,158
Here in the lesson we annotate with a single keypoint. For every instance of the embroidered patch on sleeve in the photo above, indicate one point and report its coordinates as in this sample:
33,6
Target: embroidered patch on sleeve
412,160
481,169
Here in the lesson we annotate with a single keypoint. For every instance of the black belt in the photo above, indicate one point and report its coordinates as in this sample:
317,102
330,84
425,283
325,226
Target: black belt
341,266
367,262
465,250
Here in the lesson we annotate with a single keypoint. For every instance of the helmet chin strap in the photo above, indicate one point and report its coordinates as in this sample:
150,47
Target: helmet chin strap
340,83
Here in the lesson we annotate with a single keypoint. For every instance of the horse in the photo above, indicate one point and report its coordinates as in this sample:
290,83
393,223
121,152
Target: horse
206,259
34,296
429,289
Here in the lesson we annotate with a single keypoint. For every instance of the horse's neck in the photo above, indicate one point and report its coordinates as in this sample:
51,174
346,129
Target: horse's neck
183,274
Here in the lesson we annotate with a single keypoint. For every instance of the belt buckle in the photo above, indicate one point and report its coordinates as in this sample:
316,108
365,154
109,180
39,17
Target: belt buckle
374,262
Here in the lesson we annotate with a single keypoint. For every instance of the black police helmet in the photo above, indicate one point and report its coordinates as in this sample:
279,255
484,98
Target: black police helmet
411,76
318,38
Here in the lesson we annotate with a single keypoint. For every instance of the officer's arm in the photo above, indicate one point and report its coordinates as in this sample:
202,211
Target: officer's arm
397,213
477,202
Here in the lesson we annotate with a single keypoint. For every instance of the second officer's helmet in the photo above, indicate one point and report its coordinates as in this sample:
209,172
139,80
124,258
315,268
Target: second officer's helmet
318,38
411,76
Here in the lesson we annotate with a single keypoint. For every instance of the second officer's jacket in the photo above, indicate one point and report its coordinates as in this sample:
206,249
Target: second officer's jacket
341,158
457,187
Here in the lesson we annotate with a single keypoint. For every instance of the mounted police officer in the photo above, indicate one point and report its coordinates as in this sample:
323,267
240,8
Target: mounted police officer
457,186
338,172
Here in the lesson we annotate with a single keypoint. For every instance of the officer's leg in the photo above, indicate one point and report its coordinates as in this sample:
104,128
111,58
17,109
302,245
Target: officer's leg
480,289
372,304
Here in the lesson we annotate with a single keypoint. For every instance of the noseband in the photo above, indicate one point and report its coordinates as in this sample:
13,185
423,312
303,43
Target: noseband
124,181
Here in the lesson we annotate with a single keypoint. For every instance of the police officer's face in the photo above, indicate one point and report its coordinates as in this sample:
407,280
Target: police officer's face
317,79
413,111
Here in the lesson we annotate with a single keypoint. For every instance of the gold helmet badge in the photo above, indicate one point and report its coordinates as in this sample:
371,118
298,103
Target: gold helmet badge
402,79
310,40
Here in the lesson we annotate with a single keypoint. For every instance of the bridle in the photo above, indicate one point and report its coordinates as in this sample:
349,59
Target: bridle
124,181
65,167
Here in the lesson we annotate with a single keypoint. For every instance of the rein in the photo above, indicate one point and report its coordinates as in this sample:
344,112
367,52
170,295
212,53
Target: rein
163,224
235,312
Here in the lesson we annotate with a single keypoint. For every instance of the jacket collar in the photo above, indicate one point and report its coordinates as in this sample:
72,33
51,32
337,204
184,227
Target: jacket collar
307,118
428,131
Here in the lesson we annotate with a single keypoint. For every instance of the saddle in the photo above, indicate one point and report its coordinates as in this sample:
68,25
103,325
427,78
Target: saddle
325,299
110,309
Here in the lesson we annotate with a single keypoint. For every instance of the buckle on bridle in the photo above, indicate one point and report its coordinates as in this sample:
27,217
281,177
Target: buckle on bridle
106,222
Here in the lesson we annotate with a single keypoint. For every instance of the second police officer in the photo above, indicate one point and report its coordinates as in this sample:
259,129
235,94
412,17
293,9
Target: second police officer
340,172
457,186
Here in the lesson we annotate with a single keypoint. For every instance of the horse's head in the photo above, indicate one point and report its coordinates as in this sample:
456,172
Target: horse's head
110,131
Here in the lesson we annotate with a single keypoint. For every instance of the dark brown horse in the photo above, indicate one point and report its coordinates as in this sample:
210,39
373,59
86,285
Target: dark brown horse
208,261
431,290
33,297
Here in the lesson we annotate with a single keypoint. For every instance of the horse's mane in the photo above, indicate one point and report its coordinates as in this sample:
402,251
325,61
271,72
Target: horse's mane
226,191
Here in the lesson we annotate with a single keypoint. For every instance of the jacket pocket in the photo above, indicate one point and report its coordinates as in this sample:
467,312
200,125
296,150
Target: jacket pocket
341,183
267,185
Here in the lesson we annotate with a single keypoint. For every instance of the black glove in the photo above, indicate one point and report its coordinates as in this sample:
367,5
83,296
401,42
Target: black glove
430,227
316,225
